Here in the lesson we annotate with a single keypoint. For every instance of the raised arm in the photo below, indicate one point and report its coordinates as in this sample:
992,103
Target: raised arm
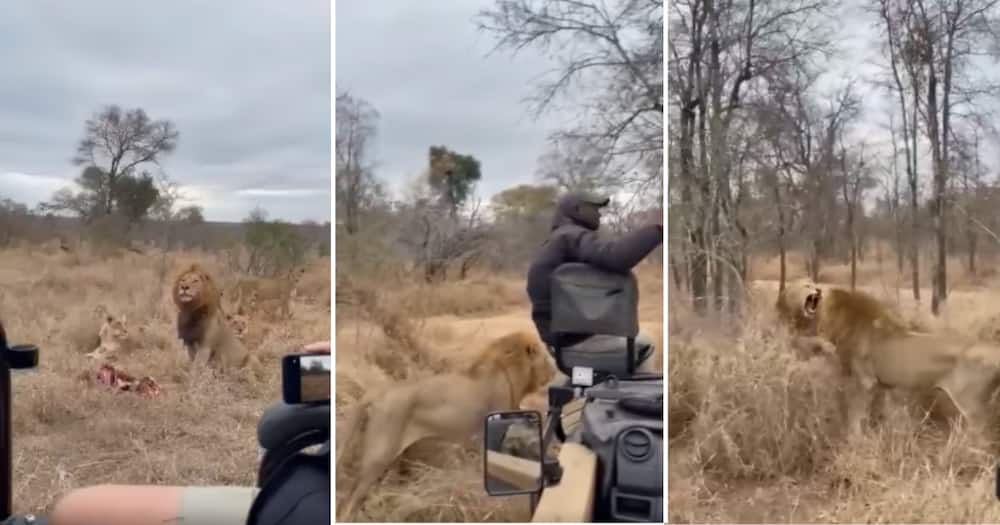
616,255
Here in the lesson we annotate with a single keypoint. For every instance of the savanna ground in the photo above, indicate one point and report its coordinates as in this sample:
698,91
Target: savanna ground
70,431
394,330
755,430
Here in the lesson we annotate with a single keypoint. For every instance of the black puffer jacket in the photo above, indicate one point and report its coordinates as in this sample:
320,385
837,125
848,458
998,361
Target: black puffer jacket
572,240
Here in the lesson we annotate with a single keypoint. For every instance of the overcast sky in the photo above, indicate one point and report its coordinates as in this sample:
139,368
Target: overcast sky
247,83
862,59
422,65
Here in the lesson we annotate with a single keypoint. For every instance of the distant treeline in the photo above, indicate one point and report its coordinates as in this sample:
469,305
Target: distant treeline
35,228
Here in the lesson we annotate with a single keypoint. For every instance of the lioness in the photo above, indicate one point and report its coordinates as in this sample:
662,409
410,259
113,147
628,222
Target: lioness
273,295
876,350
113,338
450,406
207,337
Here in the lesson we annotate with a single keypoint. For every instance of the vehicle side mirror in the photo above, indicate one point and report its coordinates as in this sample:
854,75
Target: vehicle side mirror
512,455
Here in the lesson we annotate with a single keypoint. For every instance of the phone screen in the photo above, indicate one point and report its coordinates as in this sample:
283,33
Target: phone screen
314,378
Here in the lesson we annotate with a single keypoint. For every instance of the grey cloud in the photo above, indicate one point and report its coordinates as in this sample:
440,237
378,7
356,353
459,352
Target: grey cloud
246,83
423,66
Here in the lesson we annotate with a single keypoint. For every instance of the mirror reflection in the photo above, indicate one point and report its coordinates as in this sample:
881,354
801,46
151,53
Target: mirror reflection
314,374
513,453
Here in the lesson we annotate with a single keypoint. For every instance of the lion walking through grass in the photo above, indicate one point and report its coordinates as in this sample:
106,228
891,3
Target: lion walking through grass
450,405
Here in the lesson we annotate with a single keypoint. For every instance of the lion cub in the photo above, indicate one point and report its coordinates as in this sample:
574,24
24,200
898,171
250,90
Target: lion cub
240,325
114,338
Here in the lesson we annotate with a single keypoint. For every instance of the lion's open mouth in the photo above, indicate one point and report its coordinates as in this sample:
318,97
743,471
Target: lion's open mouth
812,303
185,297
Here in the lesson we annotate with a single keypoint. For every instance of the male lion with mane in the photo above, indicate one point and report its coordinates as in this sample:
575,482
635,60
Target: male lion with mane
449,406
876,351
207,336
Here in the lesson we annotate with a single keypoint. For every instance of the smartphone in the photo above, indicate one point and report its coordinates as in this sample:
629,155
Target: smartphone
305,378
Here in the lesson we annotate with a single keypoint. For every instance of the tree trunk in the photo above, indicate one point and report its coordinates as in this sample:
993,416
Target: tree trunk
675,272
943,172
914,215
782,272
466,265
914,202
813,264
899,249
697,262
854,263
852,239
909,138
933,132
972,248
719,270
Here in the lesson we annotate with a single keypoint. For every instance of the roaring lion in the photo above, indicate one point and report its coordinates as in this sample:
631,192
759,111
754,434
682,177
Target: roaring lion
876,350
271,295
207,336
113,338
450,406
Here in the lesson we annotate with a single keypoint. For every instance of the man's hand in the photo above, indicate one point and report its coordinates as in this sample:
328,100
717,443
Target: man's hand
318,347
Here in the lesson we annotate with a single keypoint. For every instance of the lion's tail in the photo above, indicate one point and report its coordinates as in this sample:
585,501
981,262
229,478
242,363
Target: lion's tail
357,419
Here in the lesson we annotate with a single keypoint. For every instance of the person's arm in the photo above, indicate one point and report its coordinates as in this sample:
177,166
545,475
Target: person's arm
616,255
319,347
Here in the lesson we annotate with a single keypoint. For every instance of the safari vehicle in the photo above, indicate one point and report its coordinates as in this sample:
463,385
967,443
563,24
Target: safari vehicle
18,357
610,466
286,431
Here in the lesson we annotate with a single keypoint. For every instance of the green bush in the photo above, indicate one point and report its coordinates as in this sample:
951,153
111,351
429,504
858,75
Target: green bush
269,248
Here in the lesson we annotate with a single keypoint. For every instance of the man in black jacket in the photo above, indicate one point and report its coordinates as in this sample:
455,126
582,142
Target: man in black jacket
574,238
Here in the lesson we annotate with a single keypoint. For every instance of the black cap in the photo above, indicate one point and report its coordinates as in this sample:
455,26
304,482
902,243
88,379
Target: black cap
590,198
568,209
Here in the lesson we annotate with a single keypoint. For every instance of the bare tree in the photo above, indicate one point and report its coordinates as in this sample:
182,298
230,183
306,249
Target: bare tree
576,164
896,20
936,43
892,199
439,240
777,179
615,48
802,131
117,141
716,52
855,180
357,188
170,194
969,192
13,216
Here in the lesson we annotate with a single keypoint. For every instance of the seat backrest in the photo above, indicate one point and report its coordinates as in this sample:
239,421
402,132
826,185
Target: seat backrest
588,300
282,421
297,492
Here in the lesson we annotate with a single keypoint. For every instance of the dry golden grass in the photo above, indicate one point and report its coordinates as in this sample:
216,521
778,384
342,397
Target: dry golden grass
70,432
400,332
755,432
